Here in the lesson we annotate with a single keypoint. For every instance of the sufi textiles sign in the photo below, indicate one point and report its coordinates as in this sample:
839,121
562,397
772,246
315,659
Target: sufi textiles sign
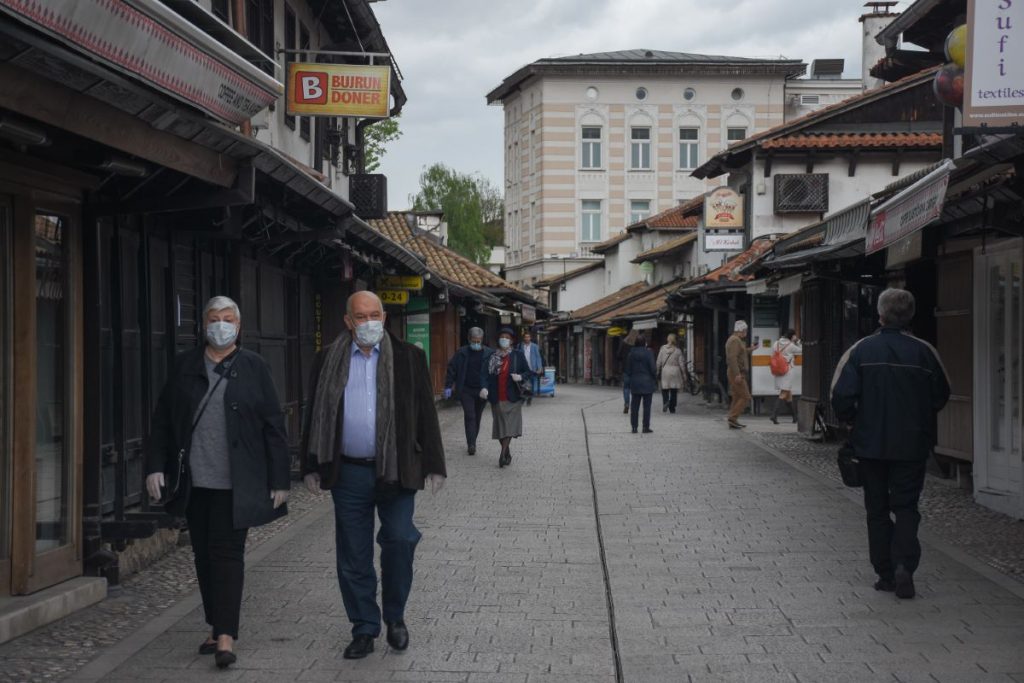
338,90
994,72
723,208
908,211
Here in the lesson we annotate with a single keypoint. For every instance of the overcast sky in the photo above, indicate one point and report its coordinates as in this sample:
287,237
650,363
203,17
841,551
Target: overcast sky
453,52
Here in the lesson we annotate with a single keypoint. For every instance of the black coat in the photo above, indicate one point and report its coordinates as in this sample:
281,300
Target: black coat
891,386
641,371
417,431
455,377
256,433
490,382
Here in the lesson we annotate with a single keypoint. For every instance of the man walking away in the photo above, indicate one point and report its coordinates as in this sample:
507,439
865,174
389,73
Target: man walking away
891,386
737,360
535,361
463,381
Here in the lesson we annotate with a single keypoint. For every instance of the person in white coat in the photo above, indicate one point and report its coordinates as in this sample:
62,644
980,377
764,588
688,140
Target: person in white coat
671,367
789,347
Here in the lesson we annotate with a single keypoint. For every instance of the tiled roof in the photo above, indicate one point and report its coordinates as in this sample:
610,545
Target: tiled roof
667,248
730,270
602,247
558,279
441,259
652,301
614,299
856,140
686,215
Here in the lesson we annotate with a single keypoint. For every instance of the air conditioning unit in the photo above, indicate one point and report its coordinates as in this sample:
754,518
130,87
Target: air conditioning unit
369,193
801,193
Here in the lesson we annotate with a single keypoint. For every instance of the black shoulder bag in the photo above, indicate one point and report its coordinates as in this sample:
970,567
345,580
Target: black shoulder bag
177,475
849,466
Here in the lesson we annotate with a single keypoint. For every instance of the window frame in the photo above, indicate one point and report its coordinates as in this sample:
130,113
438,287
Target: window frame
692,145
731,129
591,144
590,233
635,216
642,145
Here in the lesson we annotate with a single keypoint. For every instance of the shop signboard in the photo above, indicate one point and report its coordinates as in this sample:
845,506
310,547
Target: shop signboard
338,90
410,282
724,240
417,331
909,211
529,314
994,68
723,209
393,297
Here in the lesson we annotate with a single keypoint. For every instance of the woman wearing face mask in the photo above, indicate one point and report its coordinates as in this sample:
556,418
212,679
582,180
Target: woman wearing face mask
506,369
218,456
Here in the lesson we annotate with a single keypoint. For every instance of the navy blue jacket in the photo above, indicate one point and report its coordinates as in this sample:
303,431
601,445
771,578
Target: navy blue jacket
490,382
891,386
641,370
455,377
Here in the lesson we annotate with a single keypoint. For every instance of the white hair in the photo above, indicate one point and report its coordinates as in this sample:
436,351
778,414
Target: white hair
740,326
476,333
896,307
220,303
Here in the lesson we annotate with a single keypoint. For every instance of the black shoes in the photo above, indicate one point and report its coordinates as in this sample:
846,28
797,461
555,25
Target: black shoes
398,635
885,585
648,431
360,647
736,425
472,449
224,658
664,409
903,583
634,431
625,409
505,458
208,648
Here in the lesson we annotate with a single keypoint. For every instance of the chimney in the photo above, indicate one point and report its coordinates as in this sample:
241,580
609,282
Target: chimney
879,16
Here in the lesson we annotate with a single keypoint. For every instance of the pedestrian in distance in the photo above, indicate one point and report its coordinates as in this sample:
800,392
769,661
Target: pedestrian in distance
463,381
218,455
786,348
505,372
671,367
624,348
642,372
372,438
891,387
737,361
536,362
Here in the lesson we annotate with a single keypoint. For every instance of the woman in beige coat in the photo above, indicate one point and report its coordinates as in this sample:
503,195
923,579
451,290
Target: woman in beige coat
671,369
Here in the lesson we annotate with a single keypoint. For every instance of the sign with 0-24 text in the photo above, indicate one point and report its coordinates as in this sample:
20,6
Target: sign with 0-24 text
338,90
394,297
413,282
994,73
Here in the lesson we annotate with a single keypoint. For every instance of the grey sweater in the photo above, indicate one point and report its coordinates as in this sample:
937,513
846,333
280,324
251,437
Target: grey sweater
209,459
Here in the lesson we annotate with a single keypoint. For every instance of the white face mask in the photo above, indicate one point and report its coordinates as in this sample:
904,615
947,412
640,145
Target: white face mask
369,333
221,334
504,342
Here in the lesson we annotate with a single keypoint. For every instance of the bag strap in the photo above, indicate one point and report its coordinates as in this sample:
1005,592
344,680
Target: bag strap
227,362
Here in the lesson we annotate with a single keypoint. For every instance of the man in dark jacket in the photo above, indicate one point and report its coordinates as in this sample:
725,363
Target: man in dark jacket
463,382
372,438
891,386
642,374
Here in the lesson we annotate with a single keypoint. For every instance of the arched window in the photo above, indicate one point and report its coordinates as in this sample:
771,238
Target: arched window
737,127
591,139
690,128
641,132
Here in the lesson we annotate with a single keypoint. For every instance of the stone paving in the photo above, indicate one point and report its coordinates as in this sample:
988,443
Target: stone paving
724,562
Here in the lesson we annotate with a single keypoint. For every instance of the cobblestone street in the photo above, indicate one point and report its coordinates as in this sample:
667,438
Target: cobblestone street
692,553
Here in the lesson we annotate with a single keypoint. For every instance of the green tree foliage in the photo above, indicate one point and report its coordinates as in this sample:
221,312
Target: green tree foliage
472,206
376,139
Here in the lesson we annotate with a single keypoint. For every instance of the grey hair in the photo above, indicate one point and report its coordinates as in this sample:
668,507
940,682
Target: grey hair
740,326
219,303
476,332
896,307
348,303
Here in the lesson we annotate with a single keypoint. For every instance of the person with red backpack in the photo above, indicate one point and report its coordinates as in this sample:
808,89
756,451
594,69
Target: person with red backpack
783,356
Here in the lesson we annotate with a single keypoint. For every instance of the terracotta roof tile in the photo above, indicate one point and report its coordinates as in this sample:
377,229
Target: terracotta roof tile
556,279
602,247
684,215
730,270
857,140
614,299
652,301
667,248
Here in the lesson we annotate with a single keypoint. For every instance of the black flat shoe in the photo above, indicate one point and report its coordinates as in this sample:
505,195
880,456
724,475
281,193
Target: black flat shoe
625,410
506,459
225,658
903,583
634,431
884,585
359,647
472,449
648,431
208,648
398,635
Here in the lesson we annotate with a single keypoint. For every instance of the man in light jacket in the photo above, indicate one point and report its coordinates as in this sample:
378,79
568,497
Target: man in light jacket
535,361
891,386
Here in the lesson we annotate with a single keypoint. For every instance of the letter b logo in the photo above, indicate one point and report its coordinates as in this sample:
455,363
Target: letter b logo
310,87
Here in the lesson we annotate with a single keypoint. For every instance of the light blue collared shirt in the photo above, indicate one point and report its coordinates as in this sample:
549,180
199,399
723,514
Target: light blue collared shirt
359,423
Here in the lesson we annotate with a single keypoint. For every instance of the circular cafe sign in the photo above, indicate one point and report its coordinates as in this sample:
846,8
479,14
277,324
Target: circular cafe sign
723,208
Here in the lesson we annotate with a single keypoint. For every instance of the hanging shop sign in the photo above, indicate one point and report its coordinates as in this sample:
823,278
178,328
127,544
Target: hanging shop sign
723,209
724,241
529,313
410,282
994,73
646,324
908,211
338,90
393,297
616,331
149,42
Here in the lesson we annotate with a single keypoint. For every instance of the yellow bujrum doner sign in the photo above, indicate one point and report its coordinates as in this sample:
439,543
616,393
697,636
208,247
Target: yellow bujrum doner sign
394,297
338,90
400,282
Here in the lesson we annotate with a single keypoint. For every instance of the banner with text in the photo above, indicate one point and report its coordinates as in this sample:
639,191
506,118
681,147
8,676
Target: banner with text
994,73
338,90
908,211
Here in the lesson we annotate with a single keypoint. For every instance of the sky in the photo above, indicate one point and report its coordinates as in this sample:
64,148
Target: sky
453,52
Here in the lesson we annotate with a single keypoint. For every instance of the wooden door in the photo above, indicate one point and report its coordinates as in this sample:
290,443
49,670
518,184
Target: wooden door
6,357
955,343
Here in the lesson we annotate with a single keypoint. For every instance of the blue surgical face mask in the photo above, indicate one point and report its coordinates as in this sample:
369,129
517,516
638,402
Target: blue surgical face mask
476,346
504,342
221,334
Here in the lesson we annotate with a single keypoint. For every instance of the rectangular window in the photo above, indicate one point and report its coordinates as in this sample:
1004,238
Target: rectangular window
289,44
640,149
304,122
591,147
736,134
591,221
220,10
259,24
639,210
689,148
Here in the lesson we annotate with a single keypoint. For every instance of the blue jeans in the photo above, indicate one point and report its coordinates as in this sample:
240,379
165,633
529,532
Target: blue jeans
355,498
625,390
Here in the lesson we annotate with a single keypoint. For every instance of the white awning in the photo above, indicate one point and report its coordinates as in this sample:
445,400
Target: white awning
790,285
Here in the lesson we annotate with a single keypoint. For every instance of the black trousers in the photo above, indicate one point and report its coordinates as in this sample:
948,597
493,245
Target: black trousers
220,557
892,489
670,397
634,409
472,413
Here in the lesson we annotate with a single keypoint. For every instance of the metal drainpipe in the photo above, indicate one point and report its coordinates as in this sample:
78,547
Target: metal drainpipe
238,23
